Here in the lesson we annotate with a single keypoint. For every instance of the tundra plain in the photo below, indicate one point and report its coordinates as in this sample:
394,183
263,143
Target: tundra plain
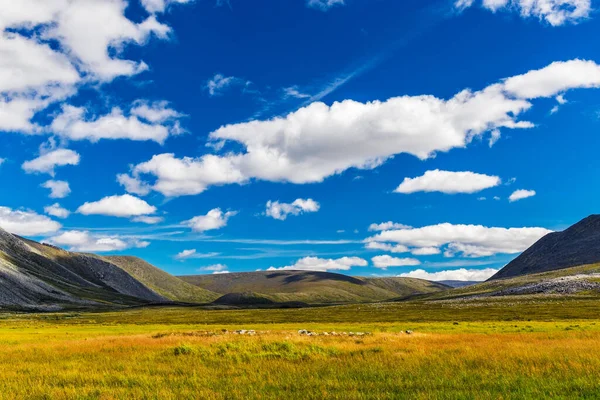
508,347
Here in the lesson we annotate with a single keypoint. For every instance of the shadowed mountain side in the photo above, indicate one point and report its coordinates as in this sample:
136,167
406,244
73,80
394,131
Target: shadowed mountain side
577,245
313,287
161,282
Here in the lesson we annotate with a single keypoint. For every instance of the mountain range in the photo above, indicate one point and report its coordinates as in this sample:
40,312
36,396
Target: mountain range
39,276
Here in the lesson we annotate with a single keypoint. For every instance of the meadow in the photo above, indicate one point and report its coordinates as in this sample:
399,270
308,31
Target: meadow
499,348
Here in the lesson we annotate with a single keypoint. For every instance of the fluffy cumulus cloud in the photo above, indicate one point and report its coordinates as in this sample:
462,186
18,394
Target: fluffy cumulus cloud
155,122
554,12
324,5
462,274
214,219
448,182
318,141
58,189
57,211
385,262
320,264
88,242
46,163
281,211
50,48
118,206
465,240
521,194
26,223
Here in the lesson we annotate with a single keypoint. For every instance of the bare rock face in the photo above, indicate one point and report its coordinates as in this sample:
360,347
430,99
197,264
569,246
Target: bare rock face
34,276
577,245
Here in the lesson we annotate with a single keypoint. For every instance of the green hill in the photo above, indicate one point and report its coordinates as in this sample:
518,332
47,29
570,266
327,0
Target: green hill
313,287
161,282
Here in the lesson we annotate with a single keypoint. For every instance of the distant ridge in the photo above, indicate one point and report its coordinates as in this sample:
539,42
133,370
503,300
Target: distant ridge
312,287
575,246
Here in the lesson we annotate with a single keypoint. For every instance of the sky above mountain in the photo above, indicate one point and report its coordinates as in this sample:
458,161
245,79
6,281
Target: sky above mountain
433,139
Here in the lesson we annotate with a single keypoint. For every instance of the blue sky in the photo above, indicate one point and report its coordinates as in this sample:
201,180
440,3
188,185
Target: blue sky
235,136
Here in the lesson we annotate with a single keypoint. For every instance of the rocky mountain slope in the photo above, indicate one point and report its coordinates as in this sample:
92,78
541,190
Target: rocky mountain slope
577,245
38,276
313,287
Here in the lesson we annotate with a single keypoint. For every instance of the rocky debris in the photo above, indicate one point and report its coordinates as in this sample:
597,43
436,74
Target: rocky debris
564,285
305,332
245,332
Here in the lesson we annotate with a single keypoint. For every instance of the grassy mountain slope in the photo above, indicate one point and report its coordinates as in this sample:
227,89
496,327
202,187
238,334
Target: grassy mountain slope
161,282
313,287
577,245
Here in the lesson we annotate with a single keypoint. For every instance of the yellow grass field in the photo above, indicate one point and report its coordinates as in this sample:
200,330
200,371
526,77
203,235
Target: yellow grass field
128,355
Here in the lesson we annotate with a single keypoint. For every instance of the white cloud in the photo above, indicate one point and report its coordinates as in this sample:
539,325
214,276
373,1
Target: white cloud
145,219
57,211
118,206
320,264
215,219
554,12
426,251
133,185
385,262
58,189
281,211
386,226
219,83
2,160
461,274
294,91
324,5
26,223
189,254
48,161
387,247
50,48
84,241
555,79
217,268
495,135
159,6
521,194
318,141
187,176
468,240
448,182
157,124
157,112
